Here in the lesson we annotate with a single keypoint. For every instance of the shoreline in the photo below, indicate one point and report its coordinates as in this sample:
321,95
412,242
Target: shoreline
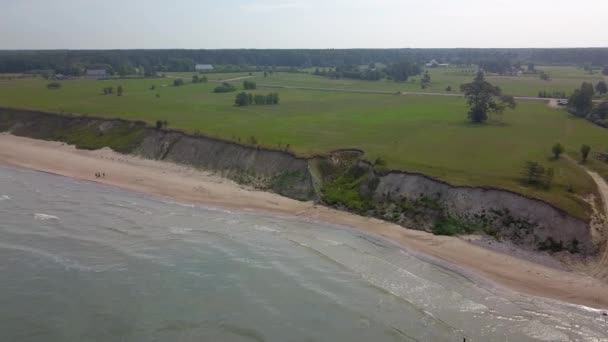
484,266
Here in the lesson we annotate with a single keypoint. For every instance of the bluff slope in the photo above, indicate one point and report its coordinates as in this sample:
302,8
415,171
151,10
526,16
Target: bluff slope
340,179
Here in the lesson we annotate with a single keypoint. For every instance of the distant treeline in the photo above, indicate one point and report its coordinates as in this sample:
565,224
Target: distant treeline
125,61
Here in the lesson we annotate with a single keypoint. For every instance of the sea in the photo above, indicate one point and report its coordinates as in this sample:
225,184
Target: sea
80,261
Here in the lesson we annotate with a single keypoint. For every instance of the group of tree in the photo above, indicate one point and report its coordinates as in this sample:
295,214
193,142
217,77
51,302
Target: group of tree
580,102
246,99
484,98
537,175
249,85
199,79
110,90
552,95
369,73
148,62
401,71
224,88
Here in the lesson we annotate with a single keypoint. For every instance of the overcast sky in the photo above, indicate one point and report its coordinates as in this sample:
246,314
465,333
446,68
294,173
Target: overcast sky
124,24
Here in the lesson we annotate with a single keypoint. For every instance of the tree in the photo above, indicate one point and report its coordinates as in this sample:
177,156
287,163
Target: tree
544,75
484,98
249,85
581,101
585,149
531,68
119,90
605,71
601,87
159,124
533,172
265,74
449,88
178,82
203,79
557,150
242,99
426,80
195,79
153,87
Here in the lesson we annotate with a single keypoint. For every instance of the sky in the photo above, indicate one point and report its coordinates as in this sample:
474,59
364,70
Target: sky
285,24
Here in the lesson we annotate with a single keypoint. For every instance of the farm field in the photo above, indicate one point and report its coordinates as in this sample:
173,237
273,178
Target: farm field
422,134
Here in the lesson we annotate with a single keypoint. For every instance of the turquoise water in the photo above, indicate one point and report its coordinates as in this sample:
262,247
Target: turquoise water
85,262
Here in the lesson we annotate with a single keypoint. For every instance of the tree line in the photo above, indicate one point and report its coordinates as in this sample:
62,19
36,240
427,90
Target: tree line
122,62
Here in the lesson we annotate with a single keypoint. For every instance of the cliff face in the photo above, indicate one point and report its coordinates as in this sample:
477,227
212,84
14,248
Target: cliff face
525,221
341,180
278,171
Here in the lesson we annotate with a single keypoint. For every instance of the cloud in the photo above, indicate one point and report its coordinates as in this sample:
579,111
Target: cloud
274,6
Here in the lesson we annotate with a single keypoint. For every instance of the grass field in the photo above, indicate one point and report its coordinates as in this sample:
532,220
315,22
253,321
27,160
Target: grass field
563,79
413,133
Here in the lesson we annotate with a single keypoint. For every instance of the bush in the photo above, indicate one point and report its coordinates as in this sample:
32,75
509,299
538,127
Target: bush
224,88
248,85
557,150
53,85
585,149
242,99
451,226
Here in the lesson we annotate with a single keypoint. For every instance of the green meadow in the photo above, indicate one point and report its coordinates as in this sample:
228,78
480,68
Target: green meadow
563,79
426,134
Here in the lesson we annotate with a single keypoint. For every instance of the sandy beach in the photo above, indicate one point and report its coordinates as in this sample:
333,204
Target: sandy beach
184,184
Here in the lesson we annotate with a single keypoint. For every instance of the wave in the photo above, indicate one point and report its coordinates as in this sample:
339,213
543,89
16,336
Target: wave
179,230
44,217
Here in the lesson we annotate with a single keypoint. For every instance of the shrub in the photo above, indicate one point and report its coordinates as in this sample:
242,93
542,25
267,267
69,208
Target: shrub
451,226
53,85
224,88
108,90
248,85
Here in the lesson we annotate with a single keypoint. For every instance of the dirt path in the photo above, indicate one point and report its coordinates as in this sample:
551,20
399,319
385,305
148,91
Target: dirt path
600,268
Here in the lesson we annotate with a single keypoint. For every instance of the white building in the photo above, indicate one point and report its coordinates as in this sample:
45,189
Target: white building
203,67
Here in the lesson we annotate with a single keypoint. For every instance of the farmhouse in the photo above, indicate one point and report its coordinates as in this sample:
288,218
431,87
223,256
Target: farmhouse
203,67
96,73
434,64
